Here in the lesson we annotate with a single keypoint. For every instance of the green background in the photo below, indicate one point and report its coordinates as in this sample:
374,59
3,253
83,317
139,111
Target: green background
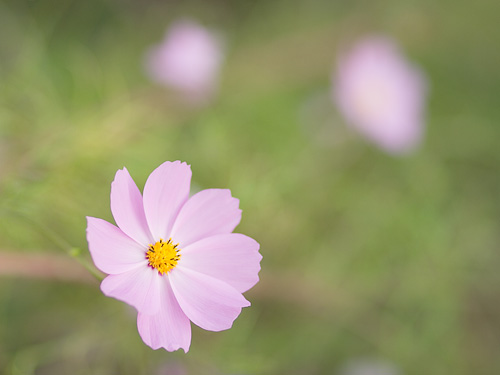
367,257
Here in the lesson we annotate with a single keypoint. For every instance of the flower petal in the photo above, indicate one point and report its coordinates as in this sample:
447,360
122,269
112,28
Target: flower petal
207,213
233,258
139,287
169,328
166,190
127,208
112,250
209,303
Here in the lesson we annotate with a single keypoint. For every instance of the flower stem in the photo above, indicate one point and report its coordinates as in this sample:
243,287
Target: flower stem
61,243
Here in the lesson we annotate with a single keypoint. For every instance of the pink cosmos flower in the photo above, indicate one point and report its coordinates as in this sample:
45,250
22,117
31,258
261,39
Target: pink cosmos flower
381,94
188,59
174,257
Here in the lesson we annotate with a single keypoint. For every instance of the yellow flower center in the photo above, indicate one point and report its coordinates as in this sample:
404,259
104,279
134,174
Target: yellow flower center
163,256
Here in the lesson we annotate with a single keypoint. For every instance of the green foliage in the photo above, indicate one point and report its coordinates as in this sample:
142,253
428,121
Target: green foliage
365,255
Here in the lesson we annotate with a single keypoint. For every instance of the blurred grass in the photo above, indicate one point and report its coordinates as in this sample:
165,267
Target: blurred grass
365,255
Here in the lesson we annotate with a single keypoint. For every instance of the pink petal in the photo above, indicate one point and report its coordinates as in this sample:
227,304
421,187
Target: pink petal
166,190
169,328
207,213
139,287
112,250
233,258
188,59
209,303
127,208
381,94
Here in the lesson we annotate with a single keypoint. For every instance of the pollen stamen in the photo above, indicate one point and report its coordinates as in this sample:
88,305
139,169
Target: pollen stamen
163,256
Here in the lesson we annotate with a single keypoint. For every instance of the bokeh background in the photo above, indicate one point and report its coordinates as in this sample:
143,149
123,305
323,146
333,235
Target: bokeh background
373,264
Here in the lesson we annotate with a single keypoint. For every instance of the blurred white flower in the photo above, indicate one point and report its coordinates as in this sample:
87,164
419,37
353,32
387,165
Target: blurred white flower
381,94
188,60
369,366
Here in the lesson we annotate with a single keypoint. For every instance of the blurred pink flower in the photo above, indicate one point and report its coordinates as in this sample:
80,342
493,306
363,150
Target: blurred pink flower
188,59
174,257
381,94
